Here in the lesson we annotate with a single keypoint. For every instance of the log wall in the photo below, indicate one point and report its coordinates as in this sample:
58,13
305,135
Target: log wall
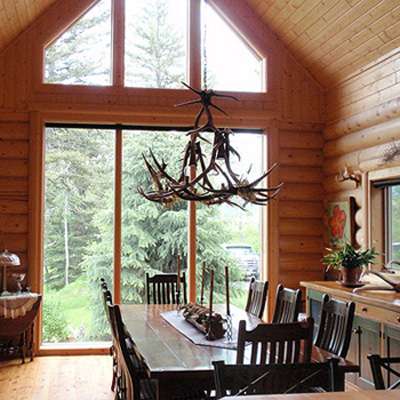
292,112
362,127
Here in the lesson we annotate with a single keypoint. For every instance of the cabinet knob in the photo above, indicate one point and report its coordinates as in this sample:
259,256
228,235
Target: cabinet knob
364,309
398,319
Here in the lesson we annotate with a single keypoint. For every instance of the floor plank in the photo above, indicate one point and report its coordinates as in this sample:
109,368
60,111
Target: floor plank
50,378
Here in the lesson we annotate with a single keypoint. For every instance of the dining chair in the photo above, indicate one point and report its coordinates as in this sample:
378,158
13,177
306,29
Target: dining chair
107,300
287,305
335,325
16,334
257,297
233,380
380,364
161,288
134,380
289,342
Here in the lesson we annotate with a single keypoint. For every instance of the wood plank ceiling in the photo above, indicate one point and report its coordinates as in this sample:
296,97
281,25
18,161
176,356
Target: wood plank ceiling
332,39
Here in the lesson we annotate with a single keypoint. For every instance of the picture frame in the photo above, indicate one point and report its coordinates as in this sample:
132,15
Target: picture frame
341,222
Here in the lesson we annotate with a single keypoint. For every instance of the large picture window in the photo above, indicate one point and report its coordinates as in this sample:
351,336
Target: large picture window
80,204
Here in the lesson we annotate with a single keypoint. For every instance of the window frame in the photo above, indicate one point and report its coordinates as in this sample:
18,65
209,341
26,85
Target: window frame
240,118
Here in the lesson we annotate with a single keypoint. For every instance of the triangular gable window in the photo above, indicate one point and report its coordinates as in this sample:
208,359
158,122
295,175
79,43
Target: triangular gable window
82,54
155,54
155,44
230,64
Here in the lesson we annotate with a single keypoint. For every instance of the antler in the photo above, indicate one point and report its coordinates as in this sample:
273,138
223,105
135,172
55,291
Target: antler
201,188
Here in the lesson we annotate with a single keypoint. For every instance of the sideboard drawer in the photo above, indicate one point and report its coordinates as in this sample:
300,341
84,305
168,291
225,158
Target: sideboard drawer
376,313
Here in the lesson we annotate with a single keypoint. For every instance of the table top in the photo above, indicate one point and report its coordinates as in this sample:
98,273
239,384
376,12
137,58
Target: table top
361,395
17,304
167,350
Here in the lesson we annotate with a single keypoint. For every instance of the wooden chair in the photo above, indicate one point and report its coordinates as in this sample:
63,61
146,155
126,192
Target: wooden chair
107,299
161,288
289,342
378,364
287,305
16,334
134,380
257,297
335,325
238,379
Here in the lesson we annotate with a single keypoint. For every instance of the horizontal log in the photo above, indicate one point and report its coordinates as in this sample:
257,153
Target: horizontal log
14,168
385,132
14,223
291,280
13,206
353,160
14,131
301,262
16,186
301,157
294,174
14,149
15,242
301,140
13,117
300,244
301,226
363,120
302,191
292,126
303,209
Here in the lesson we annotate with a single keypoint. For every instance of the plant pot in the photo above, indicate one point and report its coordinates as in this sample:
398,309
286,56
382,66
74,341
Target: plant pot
350,276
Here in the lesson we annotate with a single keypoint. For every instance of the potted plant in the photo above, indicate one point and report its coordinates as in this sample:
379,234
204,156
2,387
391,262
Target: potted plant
350,261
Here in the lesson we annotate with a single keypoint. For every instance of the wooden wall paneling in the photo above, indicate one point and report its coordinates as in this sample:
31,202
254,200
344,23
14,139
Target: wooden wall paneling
385,132
271,232
301,209
301,174
301,262
373,116
302,192
300,244
300,226
301,157
365,159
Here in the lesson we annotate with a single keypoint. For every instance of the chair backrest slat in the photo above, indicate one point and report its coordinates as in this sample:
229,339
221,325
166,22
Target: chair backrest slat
287,305
237,379
335,325
276,343
380,364
257,297
161,288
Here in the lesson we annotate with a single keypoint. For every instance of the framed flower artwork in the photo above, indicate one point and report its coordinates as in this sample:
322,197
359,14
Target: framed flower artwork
341,225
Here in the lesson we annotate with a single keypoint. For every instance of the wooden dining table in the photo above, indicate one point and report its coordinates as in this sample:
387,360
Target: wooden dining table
176,363
353,395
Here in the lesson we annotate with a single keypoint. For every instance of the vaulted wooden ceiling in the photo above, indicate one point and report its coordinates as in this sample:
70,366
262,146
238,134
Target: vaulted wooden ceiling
332,39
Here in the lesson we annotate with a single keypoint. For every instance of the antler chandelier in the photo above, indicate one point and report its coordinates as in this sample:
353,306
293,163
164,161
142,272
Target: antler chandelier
200,187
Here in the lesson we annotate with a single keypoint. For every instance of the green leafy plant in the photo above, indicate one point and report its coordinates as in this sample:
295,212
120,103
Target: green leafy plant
349,257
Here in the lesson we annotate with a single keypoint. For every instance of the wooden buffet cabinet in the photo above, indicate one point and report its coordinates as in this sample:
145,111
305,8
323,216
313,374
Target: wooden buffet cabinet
376,327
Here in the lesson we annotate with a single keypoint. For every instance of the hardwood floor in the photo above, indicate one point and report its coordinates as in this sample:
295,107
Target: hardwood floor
57,378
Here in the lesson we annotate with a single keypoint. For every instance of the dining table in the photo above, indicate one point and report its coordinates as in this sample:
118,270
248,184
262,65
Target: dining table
351,395
180,364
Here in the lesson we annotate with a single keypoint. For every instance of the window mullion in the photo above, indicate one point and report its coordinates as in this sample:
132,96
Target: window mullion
117,216
194,43
118,42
